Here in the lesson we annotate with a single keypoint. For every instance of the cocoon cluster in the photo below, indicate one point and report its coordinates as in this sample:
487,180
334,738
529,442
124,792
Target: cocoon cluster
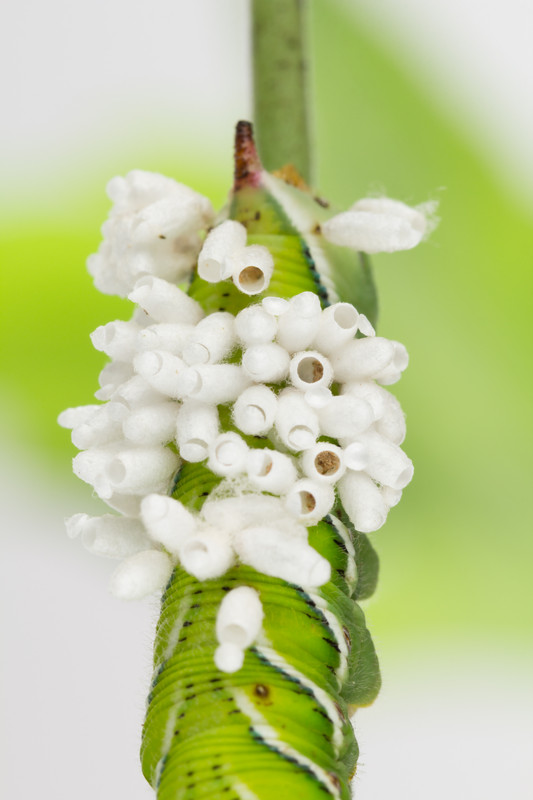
309,384
152,229
167,377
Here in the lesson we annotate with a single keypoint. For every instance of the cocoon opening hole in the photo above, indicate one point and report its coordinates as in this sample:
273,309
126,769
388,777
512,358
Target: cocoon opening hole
309,499
252,269
310,369
324,462
338,324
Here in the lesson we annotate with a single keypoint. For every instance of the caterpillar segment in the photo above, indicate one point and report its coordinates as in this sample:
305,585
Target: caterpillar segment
279,726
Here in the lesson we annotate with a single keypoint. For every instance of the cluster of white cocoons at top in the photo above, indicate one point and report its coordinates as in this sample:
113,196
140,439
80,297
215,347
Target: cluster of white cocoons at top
152,229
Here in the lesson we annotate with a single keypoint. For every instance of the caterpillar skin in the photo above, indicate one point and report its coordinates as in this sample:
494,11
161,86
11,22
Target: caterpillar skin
279,726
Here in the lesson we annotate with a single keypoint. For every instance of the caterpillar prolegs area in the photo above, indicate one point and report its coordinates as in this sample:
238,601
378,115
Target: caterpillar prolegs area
247,442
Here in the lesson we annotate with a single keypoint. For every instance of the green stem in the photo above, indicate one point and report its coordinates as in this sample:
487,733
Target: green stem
280,96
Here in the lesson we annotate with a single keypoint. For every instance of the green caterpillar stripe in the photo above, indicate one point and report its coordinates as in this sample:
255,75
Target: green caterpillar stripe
278,727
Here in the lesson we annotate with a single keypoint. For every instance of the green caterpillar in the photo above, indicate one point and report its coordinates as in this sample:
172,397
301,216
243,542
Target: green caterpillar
248,447
280,725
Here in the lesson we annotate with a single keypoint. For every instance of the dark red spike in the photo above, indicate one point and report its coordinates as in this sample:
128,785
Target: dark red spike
247,164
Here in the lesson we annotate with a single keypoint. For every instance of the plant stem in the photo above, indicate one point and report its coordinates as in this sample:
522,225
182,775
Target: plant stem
279,83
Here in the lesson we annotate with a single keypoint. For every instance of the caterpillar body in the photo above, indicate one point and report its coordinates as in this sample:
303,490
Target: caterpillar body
280,725
247,442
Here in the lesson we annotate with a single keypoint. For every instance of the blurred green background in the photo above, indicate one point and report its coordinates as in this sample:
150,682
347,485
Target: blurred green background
456,554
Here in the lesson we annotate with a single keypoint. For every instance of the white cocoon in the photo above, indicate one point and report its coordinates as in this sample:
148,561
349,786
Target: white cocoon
365,326
324,462
252,269
170,217
254,325
387,463
392,424
214,260
318,396
361,359
75,524
345,416
296,423
154,424
229,658
393,371
73,417
271,551
167,521
140,575
234,513
310,500
111,377
128,504
165,302
227,454
239,617
390,419
270,471
211,340
388,376
338,324
104,426
169,336
213,383
141,470
255,409
110,536
362,501
369,391
391,496
197,427
137,392
310,368
356,456
90,466
162,371
140,188
377,225
117,339
266,363
298,326
275,305
207,554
